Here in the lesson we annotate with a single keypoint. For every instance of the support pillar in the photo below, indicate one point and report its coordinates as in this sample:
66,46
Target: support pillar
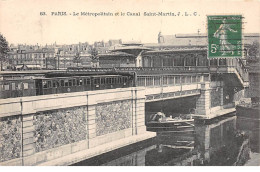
203,102
28,140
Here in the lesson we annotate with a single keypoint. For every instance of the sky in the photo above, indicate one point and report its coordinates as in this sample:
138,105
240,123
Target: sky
21,22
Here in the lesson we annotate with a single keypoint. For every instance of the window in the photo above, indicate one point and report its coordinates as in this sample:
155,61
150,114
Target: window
125,79
222,62
183,79
66,81
80,82
85,81
25,86
6,87
198,78
177,80
188,79
88,81
1,87
44,84
102,80
109,80
19,86
213,62
96,81
62,83
70,82
54,85
193,79
49,84
74,82
13,86
58,83
119,80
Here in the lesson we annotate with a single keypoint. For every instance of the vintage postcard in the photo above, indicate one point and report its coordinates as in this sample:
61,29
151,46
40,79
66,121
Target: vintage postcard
129,83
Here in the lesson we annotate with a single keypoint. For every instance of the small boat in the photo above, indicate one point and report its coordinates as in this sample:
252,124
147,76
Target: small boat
159,122
248,110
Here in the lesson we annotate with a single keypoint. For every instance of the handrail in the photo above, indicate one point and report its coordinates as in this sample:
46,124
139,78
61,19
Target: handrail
235,63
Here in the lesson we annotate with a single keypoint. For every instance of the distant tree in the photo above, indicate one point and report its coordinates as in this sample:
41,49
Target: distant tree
94,54
253,52
3,50
77,58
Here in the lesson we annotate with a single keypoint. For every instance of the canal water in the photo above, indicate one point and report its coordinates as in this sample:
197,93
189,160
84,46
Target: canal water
226,141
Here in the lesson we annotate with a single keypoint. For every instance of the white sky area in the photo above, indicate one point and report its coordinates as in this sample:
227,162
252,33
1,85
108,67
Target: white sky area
20,20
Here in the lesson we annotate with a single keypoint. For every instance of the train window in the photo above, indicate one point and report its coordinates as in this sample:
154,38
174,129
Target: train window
193,79
74,82
62,83
198,78
49,84
13,86
80,82
85,81
25,86
44,84
70,82
88,81
119,80
6,87
177,80
102,80
213,62
183,79
66,82
19,86
188,79
54,85
222,62
96,81
109,80
125,79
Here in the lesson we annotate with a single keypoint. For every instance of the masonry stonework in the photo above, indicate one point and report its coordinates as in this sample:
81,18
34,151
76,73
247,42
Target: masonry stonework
10,138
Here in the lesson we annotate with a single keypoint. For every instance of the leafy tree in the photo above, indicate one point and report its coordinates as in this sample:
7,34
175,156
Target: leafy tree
3,50
253,52
77,58
94,56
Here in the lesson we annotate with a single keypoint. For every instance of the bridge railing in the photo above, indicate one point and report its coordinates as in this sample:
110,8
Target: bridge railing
213,65
168,80
239,66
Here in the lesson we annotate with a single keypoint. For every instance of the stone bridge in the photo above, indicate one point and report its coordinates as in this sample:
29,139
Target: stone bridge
62,129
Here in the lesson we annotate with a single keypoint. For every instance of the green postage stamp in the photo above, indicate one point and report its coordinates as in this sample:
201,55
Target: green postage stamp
225,36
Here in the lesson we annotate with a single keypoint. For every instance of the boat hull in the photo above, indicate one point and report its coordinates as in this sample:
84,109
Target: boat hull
248,112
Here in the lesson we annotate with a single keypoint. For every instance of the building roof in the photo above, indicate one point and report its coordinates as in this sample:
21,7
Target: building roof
199,39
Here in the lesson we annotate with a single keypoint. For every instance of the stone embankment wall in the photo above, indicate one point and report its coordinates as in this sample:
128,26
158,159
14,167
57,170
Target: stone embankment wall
40,129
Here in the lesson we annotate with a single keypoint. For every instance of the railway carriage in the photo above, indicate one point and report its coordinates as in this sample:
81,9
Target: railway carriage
66,84
17,88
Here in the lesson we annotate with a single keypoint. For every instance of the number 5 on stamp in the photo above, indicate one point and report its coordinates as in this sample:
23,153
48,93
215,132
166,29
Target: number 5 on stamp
225,36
